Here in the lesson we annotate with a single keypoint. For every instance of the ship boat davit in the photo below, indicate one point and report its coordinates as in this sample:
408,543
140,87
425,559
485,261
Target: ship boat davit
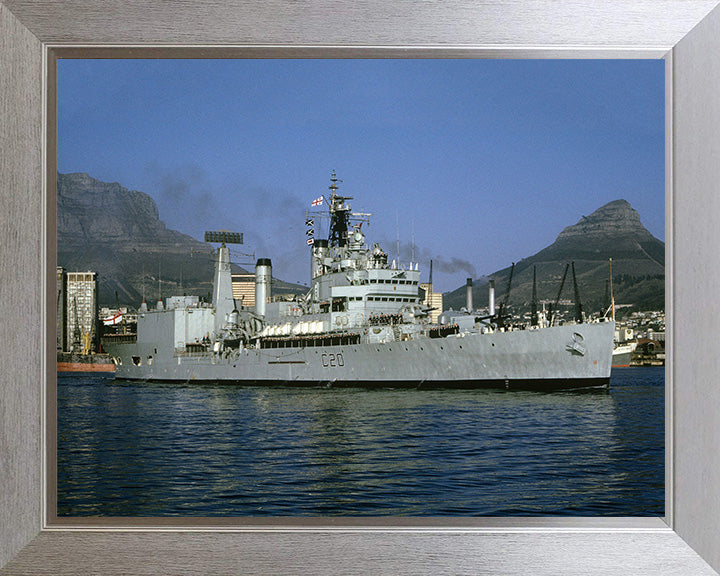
362,324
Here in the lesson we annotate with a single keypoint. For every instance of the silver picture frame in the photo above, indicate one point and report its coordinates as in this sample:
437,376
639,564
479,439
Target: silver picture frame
684,32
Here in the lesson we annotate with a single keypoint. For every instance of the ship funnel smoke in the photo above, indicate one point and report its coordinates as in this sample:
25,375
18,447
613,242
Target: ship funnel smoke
440,264
468,295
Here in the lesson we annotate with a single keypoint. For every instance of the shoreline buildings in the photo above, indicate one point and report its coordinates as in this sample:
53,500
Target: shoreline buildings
77,311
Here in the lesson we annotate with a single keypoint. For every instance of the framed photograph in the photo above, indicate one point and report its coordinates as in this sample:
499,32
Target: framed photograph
653,545
375,325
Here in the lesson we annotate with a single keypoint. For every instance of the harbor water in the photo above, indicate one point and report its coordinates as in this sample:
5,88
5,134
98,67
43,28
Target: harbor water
149,449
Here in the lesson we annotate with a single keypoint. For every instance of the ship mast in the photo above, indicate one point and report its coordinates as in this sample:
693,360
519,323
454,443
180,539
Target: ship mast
339,215
612,298
223,300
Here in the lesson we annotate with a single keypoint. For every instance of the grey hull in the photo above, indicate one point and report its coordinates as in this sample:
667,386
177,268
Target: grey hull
561,357
622,360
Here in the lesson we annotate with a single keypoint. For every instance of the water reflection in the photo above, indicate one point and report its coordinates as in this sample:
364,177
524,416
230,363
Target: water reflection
206,450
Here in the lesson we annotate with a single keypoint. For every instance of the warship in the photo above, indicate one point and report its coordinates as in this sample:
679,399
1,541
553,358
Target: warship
362,323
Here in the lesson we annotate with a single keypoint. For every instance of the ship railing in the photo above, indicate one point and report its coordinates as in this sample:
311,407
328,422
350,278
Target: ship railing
119,338
385,319
193,348
443,331
310,340
190,354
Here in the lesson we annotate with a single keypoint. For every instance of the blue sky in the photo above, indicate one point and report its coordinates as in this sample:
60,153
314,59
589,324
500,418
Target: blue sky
473,163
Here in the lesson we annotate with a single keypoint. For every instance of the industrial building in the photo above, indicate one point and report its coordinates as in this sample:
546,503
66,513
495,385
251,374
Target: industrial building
60,312
79,316
243,289
434,300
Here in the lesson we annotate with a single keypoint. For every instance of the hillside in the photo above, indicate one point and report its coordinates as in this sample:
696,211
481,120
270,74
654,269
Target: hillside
613,231
116,232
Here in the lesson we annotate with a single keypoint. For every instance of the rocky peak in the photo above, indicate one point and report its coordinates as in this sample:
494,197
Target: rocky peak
614,218
116,232
90,210
612,231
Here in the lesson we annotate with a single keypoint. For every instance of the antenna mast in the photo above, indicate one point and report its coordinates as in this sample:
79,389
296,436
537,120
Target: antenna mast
612,298
578,304
533,302
412,243
397,237
340,216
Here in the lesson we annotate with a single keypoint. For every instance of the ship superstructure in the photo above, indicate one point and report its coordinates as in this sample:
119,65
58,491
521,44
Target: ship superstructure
361,323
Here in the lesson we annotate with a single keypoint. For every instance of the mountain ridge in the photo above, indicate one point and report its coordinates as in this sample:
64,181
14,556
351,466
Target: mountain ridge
117,232
612,231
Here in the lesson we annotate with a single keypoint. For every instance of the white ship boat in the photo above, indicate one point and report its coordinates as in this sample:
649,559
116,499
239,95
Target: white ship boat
622,354
361,323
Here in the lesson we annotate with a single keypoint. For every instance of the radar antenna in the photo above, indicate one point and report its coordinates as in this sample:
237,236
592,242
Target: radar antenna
224,237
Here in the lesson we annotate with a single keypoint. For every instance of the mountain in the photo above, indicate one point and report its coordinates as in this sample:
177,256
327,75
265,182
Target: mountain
612,231
116,232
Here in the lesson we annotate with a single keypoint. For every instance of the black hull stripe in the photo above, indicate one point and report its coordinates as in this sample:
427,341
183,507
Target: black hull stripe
539,384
